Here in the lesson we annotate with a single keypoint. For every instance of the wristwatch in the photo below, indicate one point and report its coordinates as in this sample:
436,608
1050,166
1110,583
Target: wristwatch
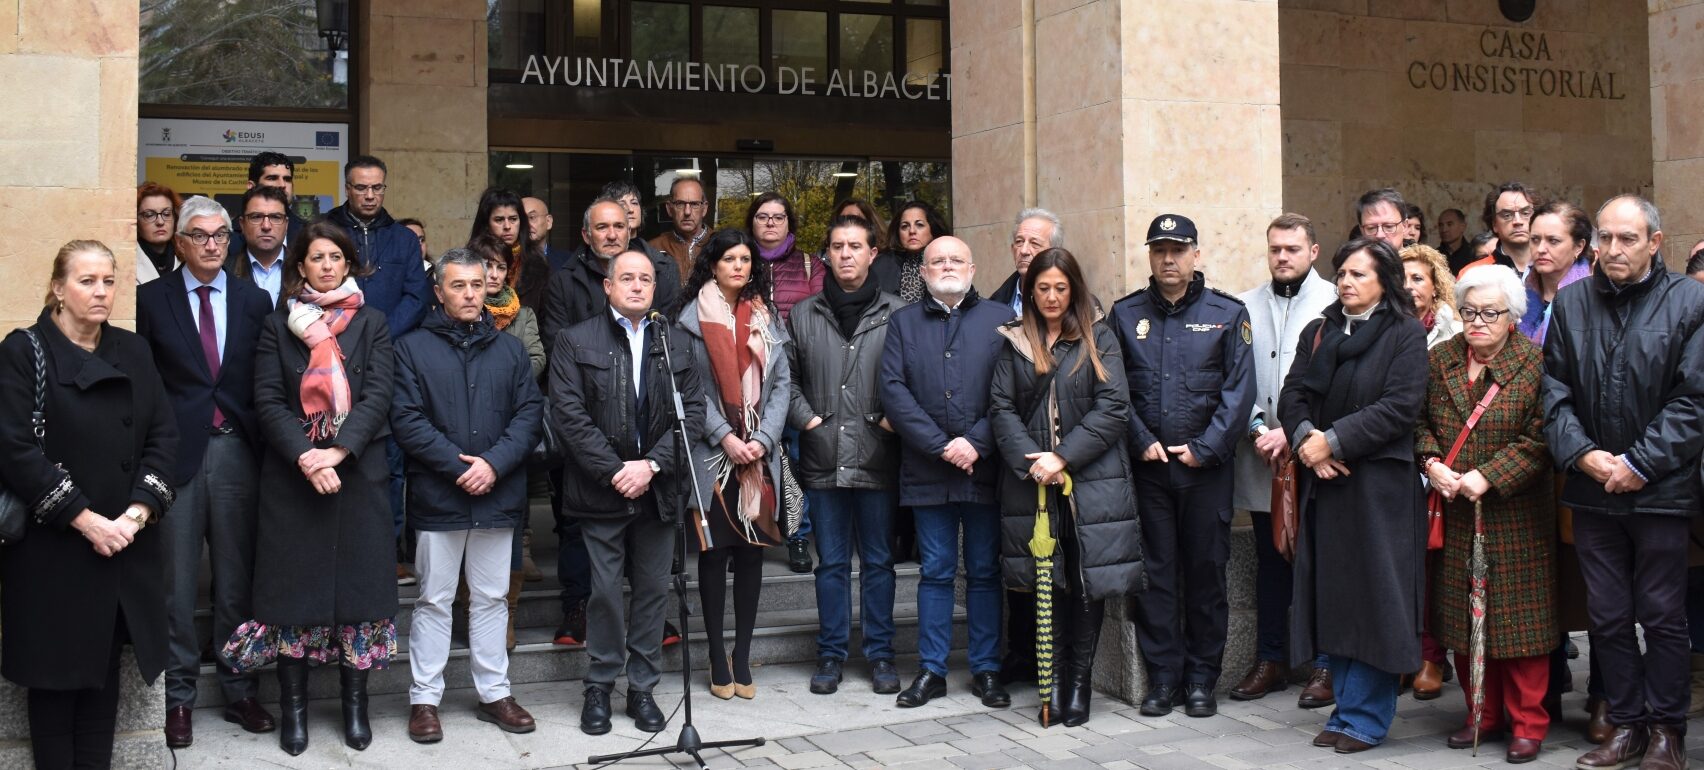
137,515
655,468
1259,430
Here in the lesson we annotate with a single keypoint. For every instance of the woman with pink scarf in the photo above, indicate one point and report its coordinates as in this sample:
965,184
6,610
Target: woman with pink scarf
324,583
738,343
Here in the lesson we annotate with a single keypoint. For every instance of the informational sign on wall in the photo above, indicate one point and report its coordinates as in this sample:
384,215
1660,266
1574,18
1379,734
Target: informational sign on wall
211,157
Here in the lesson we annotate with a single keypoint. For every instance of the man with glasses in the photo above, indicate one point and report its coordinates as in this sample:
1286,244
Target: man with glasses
265,219
1508,213
1382,215
538,216
202,323
1192,389
271,169
688,207
937,368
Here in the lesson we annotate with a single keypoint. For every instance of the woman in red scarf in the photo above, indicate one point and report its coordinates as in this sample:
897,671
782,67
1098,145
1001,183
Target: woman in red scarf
738,340
325,554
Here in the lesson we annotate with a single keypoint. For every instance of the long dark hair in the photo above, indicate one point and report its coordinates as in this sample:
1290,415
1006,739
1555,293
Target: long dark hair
704,267
495,198
1386,264
937,226
293,280
1079,320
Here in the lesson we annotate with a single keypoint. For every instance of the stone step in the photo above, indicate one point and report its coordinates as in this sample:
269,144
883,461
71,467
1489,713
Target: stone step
781,636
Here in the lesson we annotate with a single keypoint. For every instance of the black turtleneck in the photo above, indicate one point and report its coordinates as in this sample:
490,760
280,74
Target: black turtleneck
1288,289
1196,286
848,306
161,256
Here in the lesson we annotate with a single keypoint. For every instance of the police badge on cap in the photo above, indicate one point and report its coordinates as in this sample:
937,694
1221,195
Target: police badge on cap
1171,227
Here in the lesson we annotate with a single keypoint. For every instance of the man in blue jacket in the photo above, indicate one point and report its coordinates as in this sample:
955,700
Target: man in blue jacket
937,366
1186,355
396,283
467,413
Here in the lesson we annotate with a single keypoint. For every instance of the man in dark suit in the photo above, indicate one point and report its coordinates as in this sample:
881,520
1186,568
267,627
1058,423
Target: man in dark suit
271,169
264,218
202,324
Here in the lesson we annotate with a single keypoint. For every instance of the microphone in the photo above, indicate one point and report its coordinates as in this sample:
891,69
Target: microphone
657,315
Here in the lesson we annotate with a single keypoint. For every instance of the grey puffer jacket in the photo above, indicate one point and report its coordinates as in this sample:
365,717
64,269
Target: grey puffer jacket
1093,419
836,379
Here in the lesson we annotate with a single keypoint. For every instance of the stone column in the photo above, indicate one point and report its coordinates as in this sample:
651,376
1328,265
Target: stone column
68,123
69,172
1136,108
422,109
1677,136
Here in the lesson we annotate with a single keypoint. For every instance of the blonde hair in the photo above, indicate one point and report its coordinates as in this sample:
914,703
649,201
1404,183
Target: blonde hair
1442,281
62,263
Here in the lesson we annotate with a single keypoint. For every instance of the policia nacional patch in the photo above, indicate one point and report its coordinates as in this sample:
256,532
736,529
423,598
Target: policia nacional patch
1248,334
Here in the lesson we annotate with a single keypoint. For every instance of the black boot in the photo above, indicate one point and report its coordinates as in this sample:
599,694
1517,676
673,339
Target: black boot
357,734
1085,636
292,705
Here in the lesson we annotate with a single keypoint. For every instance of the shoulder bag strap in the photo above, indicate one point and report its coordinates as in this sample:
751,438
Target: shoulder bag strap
38,416
1472,420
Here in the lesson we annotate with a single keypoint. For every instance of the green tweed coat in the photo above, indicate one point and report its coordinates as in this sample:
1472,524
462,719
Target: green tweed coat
1507,447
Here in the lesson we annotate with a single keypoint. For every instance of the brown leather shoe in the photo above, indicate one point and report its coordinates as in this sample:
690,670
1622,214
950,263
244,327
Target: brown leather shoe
1266,676
507,715
1667,750
1348,745
1522,751
1317,692
179,730
1463,738
1624,747
423,725
1598,728
251,715
1429,683
1327,739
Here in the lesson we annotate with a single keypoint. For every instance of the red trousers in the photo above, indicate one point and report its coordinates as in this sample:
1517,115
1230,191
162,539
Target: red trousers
1514,685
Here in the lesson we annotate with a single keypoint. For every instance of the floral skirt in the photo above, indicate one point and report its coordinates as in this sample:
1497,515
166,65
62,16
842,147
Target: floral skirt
366,645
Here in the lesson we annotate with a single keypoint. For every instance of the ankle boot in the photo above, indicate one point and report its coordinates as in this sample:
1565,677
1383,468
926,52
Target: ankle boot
356,732
515,580
292,705
1085,636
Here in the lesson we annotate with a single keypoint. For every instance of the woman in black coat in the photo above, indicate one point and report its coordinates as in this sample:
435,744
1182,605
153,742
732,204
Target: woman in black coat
89,573
325,557
1354,397
1059,407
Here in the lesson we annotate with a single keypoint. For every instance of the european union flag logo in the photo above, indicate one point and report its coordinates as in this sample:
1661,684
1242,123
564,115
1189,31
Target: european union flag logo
325,138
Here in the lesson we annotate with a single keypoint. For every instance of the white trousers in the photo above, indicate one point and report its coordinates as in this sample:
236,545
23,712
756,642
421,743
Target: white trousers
438,560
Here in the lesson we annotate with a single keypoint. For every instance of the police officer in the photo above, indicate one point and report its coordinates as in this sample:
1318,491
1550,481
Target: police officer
1186,353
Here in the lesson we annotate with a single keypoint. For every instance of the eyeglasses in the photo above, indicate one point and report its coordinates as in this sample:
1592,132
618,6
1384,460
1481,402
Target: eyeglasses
256,217
162,215
363,189
1489,316
770,219
200,238
956,262
1510,215
1371,229
694,205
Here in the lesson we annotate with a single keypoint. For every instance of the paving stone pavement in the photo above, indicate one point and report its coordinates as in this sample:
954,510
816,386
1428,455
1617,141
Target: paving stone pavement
858,729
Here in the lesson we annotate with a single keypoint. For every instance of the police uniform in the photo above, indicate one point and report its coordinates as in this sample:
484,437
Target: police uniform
1191,383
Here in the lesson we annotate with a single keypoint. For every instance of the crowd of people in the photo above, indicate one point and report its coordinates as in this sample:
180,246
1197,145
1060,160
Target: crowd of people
317,403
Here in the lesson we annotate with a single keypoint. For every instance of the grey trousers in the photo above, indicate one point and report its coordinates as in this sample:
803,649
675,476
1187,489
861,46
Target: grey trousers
642,549
219,507
438,558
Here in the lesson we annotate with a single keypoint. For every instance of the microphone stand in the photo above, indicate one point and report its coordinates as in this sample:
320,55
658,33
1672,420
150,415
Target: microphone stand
688,743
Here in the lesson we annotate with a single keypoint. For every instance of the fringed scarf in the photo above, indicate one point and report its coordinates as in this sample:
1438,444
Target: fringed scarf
504,306
737,358
316,319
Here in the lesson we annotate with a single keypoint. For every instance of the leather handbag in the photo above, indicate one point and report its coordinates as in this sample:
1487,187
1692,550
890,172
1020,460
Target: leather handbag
1435,499
1286,519
14,511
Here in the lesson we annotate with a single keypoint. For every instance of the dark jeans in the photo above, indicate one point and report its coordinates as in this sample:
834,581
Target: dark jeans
74,728
848,519
938,529
573,567
1635,571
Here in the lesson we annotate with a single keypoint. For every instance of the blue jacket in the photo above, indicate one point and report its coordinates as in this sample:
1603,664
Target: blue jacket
936,371
163,318
397,285
464,389
1191,380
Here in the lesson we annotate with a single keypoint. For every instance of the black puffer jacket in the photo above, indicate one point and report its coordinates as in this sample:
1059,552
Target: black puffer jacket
592,407
836,379
464,389
1093,418
1624,372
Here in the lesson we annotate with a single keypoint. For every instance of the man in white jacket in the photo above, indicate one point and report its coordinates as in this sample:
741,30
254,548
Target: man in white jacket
1277,312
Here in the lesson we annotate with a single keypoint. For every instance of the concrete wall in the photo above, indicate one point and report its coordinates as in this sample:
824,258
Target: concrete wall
68,133
1677,121
1354,118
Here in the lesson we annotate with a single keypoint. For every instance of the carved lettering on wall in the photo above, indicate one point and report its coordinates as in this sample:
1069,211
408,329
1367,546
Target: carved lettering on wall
1517,63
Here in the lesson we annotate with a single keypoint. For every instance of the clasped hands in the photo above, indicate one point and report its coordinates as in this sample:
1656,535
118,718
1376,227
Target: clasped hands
319,466
1157,453
108,536
1472,485
1610,471
1046,468
1315,453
